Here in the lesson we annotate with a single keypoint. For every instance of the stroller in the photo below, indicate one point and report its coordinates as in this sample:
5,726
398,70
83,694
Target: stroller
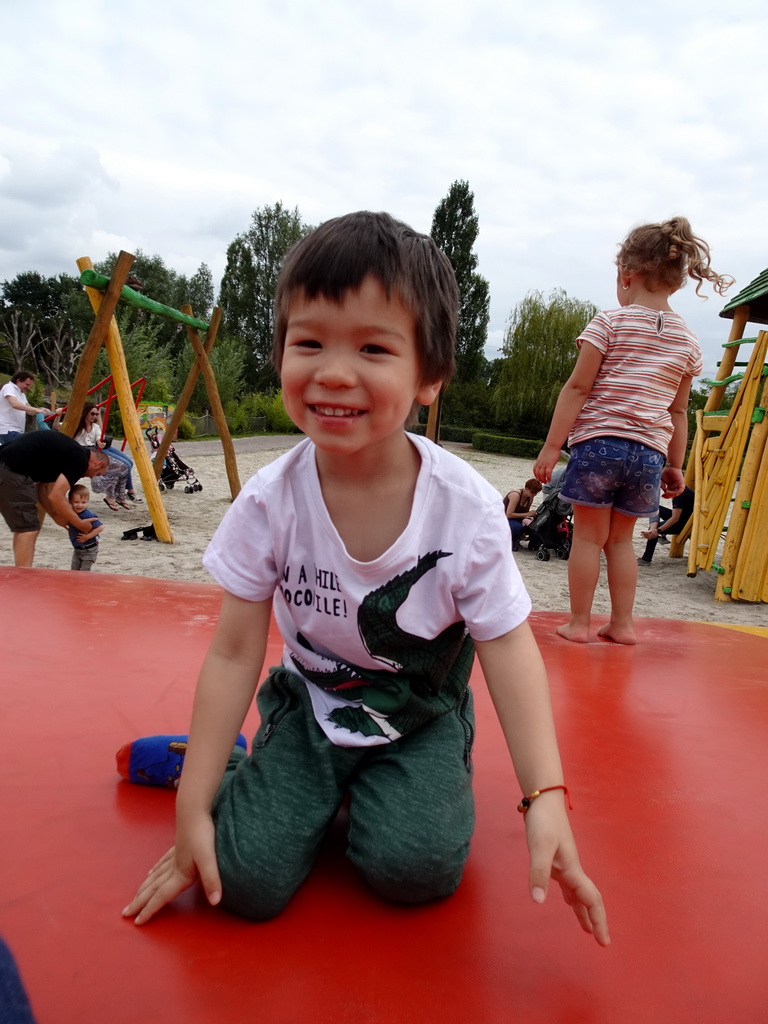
174,469
552,528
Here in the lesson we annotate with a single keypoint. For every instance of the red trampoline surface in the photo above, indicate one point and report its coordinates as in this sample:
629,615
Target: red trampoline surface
666,748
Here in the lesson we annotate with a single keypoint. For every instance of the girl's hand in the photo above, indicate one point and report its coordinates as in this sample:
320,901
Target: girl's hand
546,462
193,857
554,855
672,482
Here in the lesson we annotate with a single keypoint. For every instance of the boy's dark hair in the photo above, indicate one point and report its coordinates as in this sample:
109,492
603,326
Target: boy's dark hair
78,489
336,258
22,375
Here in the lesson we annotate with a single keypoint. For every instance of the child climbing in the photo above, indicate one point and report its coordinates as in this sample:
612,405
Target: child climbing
623,411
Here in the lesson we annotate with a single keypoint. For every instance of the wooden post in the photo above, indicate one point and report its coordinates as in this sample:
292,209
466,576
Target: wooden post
727,363
101,325
742,508
216,407
749,581
696,517
186,395
99,282
125,399
722,458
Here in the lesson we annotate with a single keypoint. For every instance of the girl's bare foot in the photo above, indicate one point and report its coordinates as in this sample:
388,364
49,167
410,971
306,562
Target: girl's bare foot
576,634
618,634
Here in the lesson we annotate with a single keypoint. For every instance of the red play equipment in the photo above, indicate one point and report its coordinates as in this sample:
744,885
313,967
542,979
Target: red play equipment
665,747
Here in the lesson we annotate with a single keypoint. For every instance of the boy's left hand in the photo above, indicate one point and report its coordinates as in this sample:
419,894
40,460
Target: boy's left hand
553,855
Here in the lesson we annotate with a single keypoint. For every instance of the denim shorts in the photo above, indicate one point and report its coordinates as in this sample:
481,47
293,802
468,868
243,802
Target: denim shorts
613,472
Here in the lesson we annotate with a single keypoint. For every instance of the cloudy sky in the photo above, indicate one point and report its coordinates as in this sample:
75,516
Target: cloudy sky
162,125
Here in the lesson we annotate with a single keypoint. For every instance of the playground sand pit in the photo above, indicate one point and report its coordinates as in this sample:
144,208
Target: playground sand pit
664,590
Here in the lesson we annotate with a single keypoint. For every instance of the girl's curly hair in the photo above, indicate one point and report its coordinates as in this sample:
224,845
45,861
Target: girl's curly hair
665,254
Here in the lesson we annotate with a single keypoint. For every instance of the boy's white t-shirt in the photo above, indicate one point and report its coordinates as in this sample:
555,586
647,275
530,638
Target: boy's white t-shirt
452,563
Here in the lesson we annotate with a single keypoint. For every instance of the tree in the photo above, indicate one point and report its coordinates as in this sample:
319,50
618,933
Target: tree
247,292
145,356
42,324
539,354
199,292
228,359
455,229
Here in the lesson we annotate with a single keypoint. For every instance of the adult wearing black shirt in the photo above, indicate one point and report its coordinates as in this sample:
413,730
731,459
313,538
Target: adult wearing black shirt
42,466
669,521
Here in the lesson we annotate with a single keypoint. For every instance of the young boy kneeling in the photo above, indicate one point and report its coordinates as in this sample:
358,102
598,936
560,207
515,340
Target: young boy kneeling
389,565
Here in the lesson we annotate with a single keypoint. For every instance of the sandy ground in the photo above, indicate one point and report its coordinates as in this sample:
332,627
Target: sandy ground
664,590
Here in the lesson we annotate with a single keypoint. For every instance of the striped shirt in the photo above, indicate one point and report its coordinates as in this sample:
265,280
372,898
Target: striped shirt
646,354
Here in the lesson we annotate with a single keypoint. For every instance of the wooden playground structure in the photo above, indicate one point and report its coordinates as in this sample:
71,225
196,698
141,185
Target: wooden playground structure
730,452
104,294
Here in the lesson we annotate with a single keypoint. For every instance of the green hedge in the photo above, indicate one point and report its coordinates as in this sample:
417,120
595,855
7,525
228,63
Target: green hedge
520,447
457,434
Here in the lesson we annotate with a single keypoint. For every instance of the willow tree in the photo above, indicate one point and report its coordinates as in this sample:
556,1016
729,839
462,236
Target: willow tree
539,353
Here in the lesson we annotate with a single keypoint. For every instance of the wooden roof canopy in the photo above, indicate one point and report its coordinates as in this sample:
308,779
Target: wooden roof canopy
755,295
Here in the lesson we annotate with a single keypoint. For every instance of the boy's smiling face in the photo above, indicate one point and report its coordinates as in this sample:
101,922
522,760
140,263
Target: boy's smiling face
350,372
79,502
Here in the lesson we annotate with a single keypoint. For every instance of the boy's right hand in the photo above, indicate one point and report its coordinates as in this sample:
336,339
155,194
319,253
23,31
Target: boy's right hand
553,855
193,857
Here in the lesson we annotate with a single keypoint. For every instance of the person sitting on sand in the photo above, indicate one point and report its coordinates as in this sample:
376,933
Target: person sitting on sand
517,506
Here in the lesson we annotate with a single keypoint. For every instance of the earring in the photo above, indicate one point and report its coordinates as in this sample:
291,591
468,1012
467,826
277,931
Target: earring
625,287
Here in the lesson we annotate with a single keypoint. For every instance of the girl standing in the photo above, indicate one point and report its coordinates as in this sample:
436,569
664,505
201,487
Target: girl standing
624,413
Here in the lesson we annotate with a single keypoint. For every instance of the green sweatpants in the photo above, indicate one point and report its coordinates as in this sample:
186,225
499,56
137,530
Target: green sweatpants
411,812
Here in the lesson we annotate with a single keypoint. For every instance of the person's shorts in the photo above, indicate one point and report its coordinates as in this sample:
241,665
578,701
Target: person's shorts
18,501
612,472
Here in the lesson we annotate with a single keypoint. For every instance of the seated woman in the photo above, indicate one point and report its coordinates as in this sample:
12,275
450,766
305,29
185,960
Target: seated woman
517,505
116,482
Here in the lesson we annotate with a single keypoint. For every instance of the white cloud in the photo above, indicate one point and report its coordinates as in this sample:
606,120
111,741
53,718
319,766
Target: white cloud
164,127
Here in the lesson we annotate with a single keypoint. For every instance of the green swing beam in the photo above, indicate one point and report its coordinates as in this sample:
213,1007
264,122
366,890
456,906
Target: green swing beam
92,279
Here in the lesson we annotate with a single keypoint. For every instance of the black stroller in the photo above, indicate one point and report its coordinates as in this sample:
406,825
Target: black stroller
174,469
552,528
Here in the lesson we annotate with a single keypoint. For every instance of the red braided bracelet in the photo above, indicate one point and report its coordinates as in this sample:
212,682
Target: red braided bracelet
526,802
